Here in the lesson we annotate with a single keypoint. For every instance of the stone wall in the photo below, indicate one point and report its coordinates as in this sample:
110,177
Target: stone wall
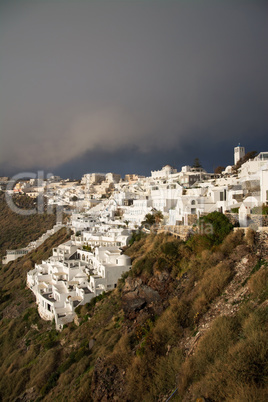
233,218
253,219
258,220
192,219
179,231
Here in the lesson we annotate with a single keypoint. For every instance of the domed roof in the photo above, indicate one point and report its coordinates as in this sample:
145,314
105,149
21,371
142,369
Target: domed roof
167,167
228,169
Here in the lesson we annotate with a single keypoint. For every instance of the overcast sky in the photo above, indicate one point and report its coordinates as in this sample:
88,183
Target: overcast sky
128,86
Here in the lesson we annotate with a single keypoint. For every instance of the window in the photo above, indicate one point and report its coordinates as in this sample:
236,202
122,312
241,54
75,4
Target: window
193,211
223,196
193,202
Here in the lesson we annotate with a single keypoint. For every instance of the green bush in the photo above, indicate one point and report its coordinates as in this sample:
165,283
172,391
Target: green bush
143,266
136,236
234,210
170,249
87,248
220,224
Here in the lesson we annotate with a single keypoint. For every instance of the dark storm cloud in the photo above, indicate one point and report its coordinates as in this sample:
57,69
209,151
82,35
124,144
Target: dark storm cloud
154,80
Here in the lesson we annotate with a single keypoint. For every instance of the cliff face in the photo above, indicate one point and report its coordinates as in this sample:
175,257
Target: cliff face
179,330
16,230
190,316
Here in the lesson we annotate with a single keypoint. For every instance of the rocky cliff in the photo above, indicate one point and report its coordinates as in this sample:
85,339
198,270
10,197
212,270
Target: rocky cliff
189,320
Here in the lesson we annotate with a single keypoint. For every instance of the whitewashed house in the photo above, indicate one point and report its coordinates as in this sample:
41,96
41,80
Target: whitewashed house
136,212
112,264
72,277
264,184
59,287
164,173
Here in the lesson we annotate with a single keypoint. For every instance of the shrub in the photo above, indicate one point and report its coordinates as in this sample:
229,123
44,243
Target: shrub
220,224
87,248
163,265
234,210
170,249
250,237
248,359
122,280
51,339
211,285
136,236
258,283
255,322
197,243
230,360
231,241
212,347
96,299
143,266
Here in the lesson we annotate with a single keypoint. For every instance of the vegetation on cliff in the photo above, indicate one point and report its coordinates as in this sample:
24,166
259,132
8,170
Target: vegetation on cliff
190,316
18,231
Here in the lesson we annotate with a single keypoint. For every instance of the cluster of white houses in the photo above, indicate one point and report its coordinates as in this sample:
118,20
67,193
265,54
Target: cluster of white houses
105,210
72,276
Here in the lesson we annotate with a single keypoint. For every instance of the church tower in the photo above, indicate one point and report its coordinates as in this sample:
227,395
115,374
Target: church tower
239,152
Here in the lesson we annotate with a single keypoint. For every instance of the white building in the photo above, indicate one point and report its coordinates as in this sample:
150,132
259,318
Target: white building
136,212
164,173
12,255
264,184
112,177
108,264
75,273
93,178
59,287
72,277
239,152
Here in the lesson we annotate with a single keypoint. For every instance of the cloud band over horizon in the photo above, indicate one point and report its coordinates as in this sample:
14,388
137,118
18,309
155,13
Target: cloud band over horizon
100,77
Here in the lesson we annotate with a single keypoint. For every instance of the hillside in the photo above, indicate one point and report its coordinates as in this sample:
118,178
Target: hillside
18,231
190,317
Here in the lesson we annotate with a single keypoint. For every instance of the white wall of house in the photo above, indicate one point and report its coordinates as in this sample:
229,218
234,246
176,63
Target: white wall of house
239,152
165,172
264,184
60,283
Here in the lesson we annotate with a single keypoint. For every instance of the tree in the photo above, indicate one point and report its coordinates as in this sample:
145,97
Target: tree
149,219
158,216
219,169
126,222
216,226
87,248
197,164
249,155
